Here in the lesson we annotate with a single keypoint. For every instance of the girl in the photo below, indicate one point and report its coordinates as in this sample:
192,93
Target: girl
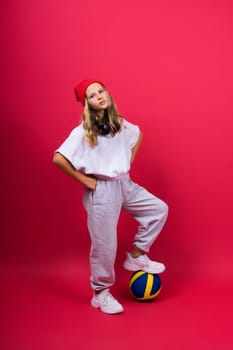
98,153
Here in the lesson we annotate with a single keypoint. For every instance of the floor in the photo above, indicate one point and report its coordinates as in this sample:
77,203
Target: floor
48,307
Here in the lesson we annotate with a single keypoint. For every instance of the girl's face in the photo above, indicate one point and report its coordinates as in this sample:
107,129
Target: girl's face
97,97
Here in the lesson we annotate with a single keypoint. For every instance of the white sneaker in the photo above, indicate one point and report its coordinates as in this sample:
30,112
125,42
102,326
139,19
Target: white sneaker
143,263
106,302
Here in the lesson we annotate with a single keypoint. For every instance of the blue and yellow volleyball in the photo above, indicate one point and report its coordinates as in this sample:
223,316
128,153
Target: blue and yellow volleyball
144,285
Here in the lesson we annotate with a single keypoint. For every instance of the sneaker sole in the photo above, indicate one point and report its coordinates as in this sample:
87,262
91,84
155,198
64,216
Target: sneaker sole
133,268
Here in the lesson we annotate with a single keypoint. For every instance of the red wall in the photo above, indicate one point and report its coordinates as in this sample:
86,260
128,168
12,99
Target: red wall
168,64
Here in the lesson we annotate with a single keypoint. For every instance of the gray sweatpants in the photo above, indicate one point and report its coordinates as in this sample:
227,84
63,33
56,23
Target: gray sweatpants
103,206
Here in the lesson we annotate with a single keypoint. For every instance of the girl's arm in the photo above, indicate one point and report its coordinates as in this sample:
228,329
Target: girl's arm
67,167
135,148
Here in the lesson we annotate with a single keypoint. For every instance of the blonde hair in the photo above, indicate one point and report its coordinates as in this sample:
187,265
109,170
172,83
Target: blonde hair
90,119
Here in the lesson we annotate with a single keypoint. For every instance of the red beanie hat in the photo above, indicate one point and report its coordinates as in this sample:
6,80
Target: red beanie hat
80,89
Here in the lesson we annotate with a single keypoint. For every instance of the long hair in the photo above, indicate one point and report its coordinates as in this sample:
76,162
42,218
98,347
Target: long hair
90,121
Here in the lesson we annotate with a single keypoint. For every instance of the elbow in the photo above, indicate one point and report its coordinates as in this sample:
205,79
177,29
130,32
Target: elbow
55,159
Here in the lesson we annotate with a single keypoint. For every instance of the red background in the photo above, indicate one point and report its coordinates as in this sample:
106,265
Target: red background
168,65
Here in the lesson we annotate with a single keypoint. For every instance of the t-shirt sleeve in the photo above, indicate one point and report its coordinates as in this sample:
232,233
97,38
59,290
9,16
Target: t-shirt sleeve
132,132
72,146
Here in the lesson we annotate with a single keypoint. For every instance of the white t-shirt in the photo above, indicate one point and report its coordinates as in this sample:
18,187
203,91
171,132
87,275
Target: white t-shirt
109,159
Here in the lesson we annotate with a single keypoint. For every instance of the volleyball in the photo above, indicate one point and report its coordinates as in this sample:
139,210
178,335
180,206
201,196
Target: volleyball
144,285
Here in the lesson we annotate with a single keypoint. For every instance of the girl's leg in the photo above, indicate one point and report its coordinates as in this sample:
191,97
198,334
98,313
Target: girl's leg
150,211
103,209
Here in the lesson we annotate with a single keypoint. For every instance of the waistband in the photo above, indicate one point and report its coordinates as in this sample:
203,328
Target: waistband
119,177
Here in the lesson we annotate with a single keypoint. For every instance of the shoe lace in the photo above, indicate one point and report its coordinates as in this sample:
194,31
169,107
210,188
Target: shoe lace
108,298
146,259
